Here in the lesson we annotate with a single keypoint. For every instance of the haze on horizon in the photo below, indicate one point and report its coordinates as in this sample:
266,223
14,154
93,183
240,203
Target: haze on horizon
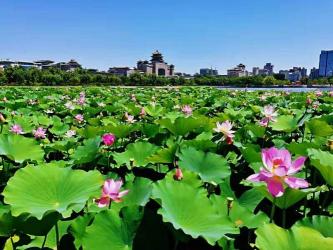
191,34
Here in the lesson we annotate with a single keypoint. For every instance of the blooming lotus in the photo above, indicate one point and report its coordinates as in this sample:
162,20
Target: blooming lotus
16,129
226,129
330,93
79,118
269,115
278,170
108,139
39,133
69,105
110,192
70,133
316,104
187,110
129,118
319,93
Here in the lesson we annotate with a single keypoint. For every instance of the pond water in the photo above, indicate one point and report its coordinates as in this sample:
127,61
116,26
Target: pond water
295,89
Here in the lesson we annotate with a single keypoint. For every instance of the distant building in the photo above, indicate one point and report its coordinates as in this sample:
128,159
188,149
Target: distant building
255,71
156,66
326,63
122,71
269,68
23,64
208,72
69,66
314,73
292,75
42,63
238,71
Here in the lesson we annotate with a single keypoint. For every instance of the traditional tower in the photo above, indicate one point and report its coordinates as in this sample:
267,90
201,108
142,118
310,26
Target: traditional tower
157,57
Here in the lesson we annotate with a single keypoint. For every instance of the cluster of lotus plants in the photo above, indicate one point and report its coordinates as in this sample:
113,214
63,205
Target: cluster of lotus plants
172,168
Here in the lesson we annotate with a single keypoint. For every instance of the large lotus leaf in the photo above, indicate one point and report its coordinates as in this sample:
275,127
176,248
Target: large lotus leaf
181,125
323,161
37,190
165,155
319,127
270,236
188,208
120,130
108,231
87,152
19,148
50,242
79,226
59,128
211,167
251,199
323,224
136,153
154,110
139,192
286,123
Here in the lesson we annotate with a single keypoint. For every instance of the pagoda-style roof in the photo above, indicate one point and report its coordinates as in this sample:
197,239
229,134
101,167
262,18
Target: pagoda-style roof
157,57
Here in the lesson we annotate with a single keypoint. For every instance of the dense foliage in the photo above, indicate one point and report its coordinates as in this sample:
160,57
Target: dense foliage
56,77
173,168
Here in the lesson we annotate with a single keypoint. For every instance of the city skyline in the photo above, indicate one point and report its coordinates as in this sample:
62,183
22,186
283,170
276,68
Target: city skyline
190,34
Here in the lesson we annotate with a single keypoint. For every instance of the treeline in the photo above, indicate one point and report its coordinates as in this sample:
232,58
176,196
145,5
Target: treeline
56,77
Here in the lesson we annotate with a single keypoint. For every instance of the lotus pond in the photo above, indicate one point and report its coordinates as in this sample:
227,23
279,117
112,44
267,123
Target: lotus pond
181,168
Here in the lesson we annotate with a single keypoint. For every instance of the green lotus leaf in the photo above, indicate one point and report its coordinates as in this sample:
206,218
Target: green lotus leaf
120,130
165,155
323,161
188,208
19,148
210,167
270,236
37,241
323,224
79,226
319,128
58,128
108,231
285,123
37,190
136,153
154,110
181,126
88,152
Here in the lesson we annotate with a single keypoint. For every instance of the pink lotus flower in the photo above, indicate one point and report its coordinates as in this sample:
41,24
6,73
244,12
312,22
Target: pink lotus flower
133,98
142,112
278,170
70,133
308,101
129,118
319,93
187,110
110,192
316,105
330,93
39,133
82,99
226,129
108,139
69,105
269,115
178,175
16,129
79,118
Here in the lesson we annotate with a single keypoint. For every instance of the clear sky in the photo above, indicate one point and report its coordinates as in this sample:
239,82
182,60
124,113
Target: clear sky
190,33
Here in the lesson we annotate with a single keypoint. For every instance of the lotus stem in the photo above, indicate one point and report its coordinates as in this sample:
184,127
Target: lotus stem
284,218
57,235
13,244
44,241
272,211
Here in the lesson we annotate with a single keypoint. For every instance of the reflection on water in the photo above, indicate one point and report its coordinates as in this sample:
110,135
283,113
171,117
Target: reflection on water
296,89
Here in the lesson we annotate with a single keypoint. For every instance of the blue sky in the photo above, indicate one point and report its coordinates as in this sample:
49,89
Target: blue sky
191,34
